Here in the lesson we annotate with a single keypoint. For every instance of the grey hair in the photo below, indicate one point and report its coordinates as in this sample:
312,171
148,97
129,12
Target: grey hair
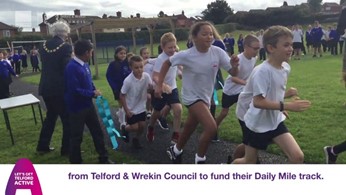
60,29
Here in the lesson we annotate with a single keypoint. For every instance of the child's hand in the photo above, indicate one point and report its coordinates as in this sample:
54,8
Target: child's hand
158,91
298,105
97,93
166,89
129,114
291,92
234,61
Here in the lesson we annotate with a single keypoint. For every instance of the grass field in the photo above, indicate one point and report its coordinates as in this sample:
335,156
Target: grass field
317,79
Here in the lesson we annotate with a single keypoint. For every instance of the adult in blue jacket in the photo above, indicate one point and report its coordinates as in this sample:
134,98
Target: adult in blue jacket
55,54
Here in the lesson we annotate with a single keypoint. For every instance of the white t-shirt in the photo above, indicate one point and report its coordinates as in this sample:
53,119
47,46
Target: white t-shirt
297,36
200,71
245,97
170,78
136,92
269,82
245,68
149,67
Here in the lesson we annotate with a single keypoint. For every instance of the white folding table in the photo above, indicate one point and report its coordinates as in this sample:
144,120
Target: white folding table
16,102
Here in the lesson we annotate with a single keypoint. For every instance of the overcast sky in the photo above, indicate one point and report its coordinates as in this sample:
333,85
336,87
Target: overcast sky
28,13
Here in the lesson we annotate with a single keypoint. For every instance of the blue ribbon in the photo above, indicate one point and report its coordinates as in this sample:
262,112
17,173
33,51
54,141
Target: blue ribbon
106,116
216,99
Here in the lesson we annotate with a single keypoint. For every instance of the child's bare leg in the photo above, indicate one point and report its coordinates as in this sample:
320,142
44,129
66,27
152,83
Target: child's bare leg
290,147
177,109
189,127
249,158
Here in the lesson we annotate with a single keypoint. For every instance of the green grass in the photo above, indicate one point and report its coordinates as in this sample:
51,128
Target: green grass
317,80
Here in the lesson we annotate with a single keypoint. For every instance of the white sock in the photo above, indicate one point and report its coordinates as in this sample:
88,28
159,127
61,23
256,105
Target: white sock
176,151
199,159
122,116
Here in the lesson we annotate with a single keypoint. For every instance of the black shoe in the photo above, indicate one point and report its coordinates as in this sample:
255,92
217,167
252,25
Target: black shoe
330,157
176,159
136,144
107,161
45,150
163,123
125,134
229,159
215,139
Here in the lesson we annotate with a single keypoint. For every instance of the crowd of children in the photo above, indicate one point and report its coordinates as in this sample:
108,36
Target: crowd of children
146,90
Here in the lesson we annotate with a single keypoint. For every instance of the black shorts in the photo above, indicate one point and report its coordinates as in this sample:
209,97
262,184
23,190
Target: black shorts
297,45
229,100
316,44
244,131
167,99
136,118
261,141
199,100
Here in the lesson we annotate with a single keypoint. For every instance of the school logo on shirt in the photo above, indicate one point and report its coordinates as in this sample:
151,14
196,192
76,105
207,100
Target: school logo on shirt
23,176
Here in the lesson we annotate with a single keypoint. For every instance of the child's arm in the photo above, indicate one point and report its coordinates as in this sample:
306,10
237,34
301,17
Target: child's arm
165,88
122,98
238,81
234,63
296,106
160,77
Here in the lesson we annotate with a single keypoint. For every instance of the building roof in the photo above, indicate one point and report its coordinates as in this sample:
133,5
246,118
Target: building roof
330,4
4,26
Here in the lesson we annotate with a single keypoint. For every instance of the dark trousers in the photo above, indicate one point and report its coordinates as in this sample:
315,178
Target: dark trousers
4,88
333,44
262,54
17,65
337,149
55,107
78,120
341,45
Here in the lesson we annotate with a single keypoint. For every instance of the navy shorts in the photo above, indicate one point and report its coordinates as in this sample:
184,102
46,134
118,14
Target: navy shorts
167,99
136,118
316,44
229,100
261,141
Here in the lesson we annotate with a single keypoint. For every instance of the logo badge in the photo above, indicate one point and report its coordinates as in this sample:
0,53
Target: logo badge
23,176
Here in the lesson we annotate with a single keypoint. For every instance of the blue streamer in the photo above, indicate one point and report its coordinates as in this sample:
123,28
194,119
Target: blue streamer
106,116
216,99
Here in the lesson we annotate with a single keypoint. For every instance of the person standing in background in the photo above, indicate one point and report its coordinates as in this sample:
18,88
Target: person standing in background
24,59
55,54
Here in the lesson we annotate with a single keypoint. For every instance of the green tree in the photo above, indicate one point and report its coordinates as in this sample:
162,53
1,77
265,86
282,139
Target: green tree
315,5
342,1
217,11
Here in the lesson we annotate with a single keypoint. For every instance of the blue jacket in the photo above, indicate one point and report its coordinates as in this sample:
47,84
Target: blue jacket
5,70
116,74
79,88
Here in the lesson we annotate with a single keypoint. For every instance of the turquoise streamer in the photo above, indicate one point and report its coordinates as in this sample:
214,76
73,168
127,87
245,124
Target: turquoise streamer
216,99
106,116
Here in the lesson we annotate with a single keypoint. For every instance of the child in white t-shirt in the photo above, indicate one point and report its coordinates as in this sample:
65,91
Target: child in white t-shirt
148,68
201,63
234,85
171,95
133,97
267,84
